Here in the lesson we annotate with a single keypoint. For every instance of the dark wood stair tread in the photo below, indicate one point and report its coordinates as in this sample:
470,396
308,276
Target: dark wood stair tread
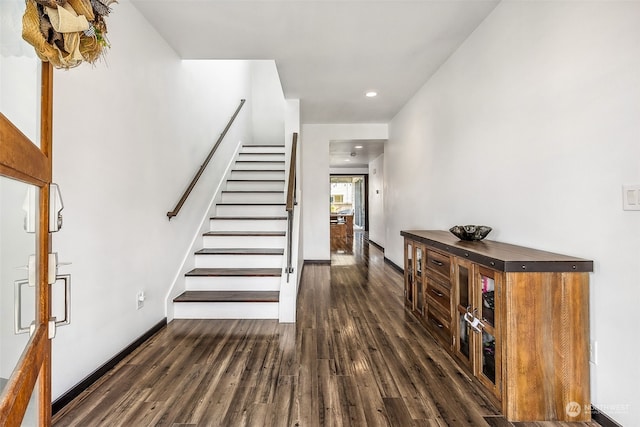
258,170
250,218
250,204
245,233
240,251
228,296
255,180
235,272
255,191
259,161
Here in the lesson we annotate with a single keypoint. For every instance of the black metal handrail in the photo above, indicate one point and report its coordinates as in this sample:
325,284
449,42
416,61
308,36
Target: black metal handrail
195,179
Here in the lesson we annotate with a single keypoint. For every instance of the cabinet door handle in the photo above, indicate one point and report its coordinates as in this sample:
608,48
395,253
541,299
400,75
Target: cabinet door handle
438,263
474,323
439,294
438,324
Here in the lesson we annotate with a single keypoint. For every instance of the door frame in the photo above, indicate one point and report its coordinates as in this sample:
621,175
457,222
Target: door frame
20,159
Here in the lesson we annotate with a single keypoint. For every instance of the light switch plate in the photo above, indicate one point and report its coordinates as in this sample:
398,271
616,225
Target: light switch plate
631,197
140,297
593,352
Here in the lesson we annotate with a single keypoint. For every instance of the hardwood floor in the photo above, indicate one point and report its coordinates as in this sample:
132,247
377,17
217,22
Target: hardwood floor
355,357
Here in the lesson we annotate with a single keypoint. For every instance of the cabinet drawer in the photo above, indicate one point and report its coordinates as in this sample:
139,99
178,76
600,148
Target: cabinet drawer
439,263
439,325
439,293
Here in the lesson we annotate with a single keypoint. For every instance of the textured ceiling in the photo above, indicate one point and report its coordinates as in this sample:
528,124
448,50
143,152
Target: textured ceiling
328,53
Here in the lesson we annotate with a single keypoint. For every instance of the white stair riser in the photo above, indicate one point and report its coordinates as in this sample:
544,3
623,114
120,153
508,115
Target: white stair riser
239,261
272,157
255,186
260,175
250,210
244,241
225,310
256,197
261,149
232,283
247,225
258,166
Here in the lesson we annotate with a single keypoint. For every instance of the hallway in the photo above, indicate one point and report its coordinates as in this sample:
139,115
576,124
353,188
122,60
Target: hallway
355,357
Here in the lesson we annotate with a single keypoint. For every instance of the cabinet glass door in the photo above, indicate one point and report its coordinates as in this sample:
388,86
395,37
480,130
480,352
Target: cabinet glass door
464,338
487,314
489,356
408,274
463,292
419,280
488,369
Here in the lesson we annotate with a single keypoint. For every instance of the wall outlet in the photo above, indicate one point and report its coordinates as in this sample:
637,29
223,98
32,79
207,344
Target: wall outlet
593,352
140,300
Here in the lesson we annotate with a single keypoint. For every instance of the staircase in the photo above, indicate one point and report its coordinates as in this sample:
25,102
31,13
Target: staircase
238,271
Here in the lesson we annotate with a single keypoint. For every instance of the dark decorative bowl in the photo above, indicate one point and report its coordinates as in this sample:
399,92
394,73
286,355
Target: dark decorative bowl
470,232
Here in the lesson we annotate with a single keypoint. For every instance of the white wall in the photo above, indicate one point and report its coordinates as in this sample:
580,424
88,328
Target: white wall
268,104
129,134
376,201
315,187
532,127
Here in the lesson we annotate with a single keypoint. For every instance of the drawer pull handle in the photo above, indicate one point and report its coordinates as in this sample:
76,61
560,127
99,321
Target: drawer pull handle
439,294
438,263
438,324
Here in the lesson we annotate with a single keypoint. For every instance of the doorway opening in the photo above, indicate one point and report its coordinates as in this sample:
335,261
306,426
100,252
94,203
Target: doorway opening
349,210
349,197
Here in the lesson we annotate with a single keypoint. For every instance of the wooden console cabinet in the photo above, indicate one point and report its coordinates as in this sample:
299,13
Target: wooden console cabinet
517,319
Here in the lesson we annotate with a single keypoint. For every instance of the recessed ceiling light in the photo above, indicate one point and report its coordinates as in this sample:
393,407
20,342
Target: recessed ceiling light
371,94
358,146
347,160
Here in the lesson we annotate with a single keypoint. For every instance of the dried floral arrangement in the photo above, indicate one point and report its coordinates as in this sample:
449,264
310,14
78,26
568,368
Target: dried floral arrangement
67,32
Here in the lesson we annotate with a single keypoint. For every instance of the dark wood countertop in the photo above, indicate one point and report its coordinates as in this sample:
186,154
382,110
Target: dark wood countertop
500,256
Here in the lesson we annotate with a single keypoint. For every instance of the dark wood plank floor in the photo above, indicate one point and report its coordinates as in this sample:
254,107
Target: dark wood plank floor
354,358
